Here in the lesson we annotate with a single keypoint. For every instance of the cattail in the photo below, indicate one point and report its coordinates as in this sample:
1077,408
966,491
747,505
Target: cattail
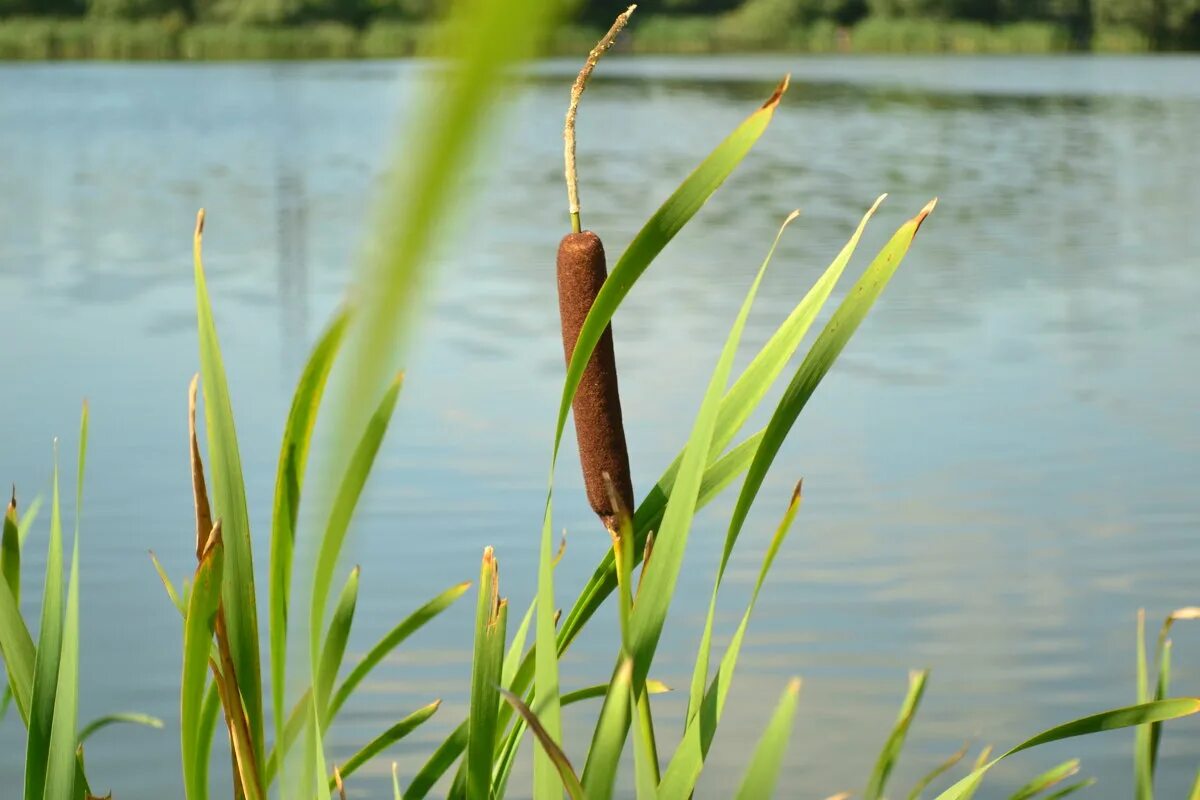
581,273
597,406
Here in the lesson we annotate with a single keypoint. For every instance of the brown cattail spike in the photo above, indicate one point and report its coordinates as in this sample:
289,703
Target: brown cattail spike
597,406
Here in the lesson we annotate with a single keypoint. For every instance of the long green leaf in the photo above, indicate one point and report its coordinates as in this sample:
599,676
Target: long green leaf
890,753
763,773
46,663
205,731
10,550
688,760
349,491
393,639
28,519
820,359
1048,779
1163,687
1143,772
1158,711
289,481
335,640
197,644
60,757
700,672
386,739
937,772
1069,790
229,505
491,615
562,765
121,717
600,772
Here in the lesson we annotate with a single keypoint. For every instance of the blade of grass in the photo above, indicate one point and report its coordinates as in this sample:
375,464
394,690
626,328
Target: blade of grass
570,781
700,673
390,641
890,753
166,582
970,788
937,772
1048,779
396,793
688,760
600,772
763,773
645,760
289,481
125,717
46,662
491,615
387,739
1161,710
393,639
335,640
10,550
197,644
28,519
205,731
229,503
1143,772
60,755
1069,790
342,511
821,356
1163,686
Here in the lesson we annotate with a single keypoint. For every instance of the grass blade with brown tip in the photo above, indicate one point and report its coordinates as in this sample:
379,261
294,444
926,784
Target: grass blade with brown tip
491,616
229,502
890,753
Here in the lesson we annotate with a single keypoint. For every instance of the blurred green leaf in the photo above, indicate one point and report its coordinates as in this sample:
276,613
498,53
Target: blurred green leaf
335,640
197,644
1048,779
895,743
937,772
124,717
491,618
387,739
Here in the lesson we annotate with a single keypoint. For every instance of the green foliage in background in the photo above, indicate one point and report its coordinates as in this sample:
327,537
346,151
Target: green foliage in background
293,29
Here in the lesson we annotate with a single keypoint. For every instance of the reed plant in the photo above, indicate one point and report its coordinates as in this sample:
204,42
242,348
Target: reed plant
277,713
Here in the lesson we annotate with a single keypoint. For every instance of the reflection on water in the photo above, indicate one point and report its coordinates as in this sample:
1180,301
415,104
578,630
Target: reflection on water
1000,471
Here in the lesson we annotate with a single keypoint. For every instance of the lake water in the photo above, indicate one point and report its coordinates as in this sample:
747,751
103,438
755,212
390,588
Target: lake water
1000,471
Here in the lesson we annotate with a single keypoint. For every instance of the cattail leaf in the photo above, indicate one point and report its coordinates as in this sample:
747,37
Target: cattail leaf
198,629
29,519
334,647
61,767
10,551
386,739
821,356
46,662
121,717
763,772
289,481
686,764
600,771
937,772
491,617
570,781
1141,714
1143,771
890,753
229,502
1048,779
349,491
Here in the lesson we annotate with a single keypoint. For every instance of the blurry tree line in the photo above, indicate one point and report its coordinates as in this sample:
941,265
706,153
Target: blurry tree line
1164,24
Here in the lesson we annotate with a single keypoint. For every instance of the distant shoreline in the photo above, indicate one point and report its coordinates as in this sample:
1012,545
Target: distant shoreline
47,39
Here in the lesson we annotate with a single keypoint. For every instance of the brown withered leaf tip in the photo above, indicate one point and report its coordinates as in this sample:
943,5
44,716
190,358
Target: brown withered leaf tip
599,428
780,89
199,223
203,510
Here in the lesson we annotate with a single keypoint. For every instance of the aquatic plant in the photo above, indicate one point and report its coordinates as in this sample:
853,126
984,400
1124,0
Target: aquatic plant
514,689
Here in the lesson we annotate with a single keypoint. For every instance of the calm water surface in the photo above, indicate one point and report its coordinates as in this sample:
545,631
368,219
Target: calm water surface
1000,471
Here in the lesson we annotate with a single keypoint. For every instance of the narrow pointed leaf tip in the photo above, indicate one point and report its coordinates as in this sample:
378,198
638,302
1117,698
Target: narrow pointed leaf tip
777,95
